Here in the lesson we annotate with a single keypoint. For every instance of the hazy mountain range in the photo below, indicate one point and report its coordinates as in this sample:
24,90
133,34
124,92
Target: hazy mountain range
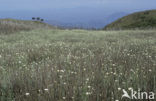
97,21
69,18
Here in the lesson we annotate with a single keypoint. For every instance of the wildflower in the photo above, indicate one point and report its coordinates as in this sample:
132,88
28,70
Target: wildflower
119,88
39,90
131,70
116,80
75,72
27,94
64,98
46,89
88,93
61,76
130,88
107,73
87,79
19,62
89,86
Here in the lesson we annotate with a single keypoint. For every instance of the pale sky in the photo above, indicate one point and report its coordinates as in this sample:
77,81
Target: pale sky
10,5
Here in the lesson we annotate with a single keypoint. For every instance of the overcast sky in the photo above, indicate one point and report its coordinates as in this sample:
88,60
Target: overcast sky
12,5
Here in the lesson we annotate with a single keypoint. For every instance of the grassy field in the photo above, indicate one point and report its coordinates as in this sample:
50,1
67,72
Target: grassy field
9,26
76,65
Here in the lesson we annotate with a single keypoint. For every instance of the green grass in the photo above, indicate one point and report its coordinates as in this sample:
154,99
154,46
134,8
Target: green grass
9,26
138,20
76,65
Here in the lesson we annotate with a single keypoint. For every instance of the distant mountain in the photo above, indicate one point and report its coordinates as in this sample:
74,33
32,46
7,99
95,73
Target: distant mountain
141,20
70,18
96,21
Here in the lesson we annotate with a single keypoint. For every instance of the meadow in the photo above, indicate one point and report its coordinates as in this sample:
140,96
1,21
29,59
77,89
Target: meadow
76,65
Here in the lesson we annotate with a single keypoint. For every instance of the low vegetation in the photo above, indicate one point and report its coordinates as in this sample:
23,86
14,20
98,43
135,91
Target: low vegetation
76,65
139,20
8,26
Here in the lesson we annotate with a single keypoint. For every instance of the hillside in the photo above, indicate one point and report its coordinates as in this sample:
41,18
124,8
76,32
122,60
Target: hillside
140,20
11,25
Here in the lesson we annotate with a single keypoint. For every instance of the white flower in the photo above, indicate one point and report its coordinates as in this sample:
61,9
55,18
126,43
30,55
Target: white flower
89,86
64,98
116,80
62,71
46,89
61,76
87,79
150,70
107,73
27,94
130,88
119,88
113,64
19,62
88,93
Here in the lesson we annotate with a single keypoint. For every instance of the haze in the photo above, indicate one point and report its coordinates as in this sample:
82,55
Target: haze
85,13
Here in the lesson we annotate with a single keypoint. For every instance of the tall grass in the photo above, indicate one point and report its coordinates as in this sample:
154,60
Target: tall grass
9,26
76,65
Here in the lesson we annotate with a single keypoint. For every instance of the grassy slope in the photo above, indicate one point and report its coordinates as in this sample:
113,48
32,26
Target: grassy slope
76,65
142,20
8,26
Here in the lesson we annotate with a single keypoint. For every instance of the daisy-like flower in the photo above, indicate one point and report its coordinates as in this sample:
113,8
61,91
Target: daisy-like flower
46,89
119,88
88,93
27,94
130,88
64,98
149,70
89,86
